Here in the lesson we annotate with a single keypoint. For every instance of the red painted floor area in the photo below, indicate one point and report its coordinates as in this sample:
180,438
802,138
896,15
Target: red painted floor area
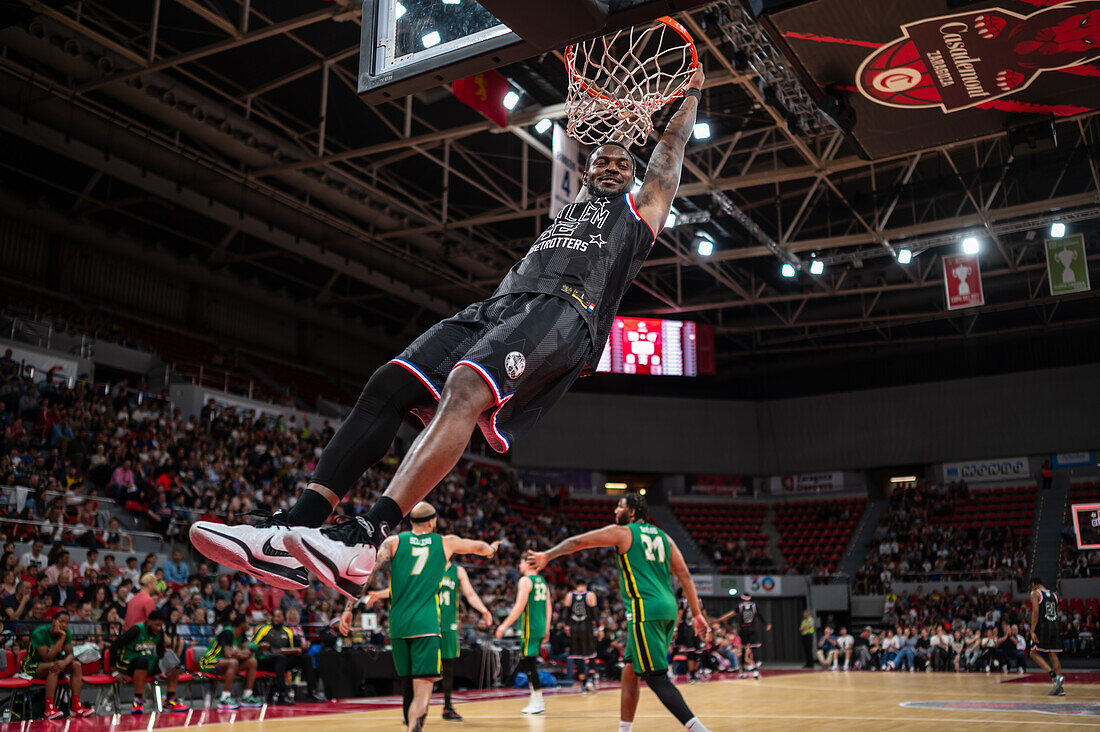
198,717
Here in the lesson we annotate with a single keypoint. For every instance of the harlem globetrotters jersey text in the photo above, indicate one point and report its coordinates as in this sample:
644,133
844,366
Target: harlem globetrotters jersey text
589,256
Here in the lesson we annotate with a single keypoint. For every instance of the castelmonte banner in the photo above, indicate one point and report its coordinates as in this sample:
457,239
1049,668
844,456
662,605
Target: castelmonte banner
919,73
786,485
962,281
976,471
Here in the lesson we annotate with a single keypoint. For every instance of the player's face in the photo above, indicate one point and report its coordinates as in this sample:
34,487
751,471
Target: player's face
623,515
610,172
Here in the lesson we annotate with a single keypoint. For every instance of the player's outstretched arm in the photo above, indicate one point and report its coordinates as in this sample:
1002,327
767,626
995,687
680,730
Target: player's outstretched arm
381,563
679,568
523,589
472,597
662,175
613,535
453,544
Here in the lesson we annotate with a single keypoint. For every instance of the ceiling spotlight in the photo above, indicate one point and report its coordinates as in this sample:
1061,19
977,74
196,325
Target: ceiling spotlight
636,187
970,245
1057,230
543,125
452,2
704,244
398,11
787,270
817,267
511,99
701,131
431,39
671,220
905,256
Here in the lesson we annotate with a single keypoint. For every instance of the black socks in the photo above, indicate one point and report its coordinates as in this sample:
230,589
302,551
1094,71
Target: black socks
310,511
386,515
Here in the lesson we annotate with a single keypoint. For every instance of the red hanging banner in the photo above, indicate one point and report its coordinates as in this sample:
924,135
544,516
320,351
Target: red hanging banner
962,280
484,93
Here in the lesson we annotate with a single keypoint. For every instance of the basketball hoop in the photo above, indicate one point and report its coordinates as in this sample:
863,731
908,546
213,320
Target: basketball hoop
617,82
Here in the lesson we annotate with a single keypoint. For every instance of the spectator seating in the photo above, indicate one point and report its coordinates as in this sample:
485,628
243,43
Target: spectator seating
1013,507
1084,491
817,532
723,520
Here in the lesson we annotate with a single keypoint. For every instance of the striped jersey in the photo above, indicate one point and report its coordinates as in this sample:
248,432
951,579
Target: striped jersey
645,580
589,256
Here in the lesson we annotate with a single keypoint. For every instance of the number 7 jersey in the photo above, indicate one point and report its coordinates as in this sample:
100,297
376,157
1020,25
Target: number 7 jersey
415,573
645,580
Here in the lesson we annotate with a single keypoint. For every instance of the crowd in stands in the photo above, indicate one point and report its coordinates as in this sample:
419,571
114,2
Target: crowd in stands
914,543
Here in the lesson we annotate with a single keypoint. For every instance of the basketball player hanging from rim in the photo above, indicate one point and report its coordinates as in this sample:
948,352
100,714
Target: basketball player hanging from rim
498,365
1046,636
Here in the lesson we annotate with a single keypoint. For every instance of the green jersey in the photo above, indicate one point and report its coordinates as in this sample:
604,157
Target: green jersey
138,641
415,574
216,651
41,637
533,621
448,599
645,580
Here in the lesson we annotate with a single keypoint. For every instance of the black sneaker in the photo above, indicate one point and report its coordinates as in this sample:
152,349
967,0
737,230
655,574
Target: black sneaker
450,713
341,555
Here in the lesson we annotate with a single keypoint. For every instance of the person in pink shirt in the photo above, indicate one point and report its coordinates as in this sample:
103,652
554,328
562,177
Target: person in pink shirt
142,603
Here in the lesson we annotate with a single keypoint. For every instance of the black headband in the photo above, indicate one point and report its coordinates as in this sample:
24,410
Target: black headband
423,519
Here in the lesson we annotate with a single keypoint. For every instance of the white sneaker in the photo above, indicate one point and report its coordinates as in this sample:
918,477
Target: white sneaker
755,674
341,555
834,667
535,706
257,550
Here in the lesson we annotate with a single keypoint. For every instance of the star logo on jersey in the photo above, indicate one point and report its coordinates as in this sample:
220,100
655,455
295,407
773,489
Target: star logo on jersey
597,239
514,365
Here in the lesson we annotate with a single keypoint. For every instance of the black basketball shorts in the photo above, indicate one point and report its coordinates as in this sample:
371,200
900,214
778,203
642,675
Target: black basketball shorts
750,636
1049,636
529,348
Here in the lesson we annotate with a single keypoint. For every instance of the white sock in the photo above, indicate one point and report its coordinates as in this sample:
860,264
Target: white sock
694,725
536,696
625,726
226,695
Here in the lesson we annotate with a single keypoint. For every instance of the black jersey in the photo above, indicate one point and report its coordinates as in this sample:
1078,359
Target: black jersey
588,256
1048,609
582,626
748,613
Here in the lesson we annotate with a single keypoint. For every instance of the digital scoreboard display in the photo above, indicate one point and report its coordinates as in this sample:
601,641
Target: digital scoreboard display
1086,524
657,347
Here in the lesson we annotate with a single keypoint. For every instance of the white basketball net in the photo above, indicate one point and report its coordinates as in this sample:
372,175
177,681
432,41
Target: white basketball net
617,82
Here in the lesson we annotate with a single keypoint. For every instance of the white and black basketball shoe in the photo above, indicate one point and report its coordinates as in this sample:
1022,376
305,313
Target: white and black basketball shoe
257,549
341,555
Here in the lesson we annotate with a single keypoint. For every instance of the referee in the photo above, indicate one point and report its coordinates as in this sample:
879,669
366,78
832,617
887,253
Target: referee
806,634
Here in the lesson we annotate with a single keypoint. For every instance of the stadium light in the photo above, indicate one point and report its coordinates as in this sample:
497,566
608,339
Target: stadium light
904,479
398,11
636,187
905,256
511,99
1057,230
704,244
543,125
701,131
641,492
452,2
733,591
970,245
615,486
431,39
787,270
817,267
670,222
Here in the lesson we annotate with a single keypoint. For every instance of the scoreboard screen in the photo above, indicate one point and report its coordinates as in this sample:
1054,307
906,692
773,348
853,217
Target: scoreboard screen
657,347
1086,524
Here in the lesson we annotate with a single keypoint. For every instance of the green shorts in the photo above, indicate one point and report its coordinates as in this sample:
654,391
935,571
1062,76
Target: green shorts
418,657
129,665
531,645
449,644
647,644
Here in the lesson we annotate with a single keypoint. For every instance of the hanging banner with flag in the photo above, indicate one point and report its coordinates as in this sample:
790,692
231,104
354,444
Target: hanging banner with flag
565,178
484,93
1067,266
962,279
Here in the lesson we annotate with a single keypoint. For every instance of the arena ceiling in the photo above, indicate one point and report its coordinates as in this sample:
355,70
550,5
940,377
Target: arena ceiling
227,134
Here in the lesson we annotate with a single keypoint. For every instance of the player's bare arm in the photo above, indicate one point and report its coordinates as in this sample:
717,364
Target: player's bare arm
680,569
453,544
1035,602
381,563
612,535
662,175
523,589
472,597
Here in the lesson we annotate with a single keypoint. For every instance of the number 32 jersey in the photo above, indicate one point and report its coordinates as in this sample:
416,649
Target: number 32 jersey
645,581
415,573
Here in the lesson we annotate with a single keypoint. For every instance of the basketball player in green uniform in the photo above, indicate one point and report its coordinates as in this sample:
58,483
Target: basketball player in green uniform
647,559
417,560
137,653
533,607
454,579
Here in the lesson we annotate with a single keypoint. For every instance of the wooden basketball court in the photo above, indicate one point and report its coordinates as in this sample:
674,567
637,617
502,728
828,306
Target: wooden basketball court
780,701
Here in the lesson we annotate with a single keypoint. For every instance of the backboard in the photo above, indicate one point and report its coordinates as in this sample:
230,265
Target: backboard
408,46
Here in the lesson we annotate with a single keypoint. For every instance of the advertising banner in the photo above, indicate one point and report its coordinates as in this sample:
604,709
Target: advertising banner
36,365
1073,459
565,174
977,471
1067,266
780,485
962,280
718,485
704,583
762,585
